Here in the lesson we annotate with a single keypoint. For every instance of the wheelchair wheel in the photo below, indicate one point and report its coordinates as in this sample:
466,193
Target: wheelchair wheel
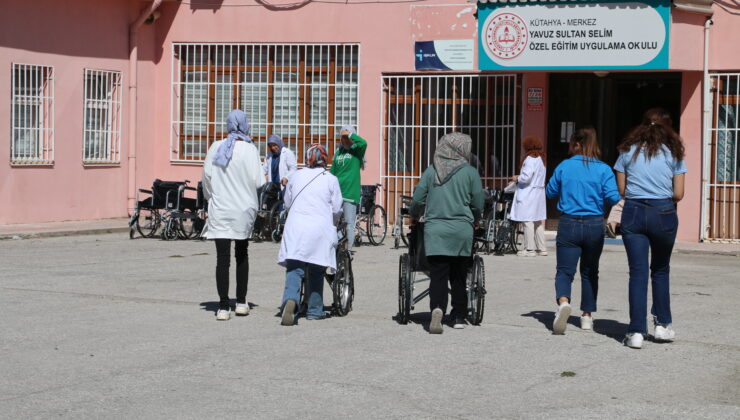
273,220
147,222
404,236
476,288
490,235
517,237
405,290
186,227
170,231
377,225
343,285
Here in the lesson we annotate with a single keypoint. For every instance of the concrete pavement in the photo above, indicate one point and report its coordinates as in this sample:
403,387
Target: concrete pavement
101,325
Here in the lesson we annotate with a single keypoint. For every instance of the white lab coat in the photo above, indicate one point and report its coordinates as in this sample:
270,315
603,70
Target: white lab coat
310,235
232,192
286,167
529,200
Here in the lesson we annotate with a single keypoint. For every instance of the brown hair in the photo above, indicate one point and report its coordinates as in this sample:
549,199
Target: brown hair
586,139
533,147
654,132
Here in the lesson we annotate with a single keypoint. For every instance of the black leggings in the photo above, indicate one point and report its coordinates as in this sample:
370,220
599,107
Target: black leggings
443,269
223,255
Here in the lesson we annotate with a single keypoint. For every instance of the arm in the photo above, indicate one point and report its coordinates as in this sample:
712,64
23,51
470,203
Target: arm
290,162
420,195
255,170
288,195
207,171
477,201
336,199
678,187
359,146
609,188
553,187
621,182
528,170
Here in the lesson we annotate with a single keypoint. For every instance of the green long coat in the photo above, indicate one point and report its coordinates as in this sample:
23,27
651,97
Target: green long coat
451,210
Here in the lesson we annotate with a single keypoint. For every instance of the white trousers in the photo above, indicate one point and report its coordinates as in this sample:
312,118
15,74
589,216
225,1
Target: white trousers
534,236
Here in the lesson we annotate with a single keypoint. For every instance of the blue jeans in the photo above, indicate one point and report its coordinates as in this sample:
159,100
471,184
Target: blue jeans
349,210
649,232
579,237
295,270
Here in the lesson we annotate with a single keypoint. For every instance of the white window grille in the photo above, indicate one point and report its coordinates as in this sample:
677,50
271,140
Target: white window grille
102,118
419,110
724,179
32,115
302,92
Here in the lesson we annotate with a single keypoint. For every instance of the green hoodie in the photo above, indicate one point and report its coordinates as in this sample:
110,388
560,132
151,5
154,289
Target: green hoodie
346,167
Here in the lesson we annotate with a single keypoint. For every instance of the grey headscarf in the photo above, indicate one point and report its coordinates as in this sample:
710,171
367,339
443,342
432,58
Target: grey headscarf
277,140
452,154
237,125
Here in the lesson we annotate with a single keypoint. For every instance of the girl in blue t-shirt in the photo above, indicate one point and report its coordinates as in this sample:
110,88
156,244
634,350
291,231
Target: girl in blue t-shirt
582,184
650,175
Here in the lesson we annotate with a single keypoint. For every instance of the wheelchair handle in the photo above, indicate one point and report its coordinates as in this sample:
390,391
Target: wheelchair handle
145,191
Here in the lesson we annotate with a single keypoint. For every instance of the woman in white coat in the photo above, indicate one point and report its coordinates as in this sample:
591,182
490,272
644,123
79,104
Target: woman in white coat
529,205
231,176
314,202
280,162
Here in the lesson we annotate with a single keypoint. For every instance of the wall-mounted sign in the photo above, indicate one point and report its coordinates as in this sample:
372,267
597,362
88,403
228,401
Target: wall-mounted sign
534,99
574,35
444,55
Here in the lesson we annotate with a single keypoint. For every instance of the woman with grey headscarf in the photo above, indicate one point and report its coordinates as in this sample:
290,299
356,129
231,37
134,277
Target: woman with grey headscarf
450,197
231,175
280,161
348,160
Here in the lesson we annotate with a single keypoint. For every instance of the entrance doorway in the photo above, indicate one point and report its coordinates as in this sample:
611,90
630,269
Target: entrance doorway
612,104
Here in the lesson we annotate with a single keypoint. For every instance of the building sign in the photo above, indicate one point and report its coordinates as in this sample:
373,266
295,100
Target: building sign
574,35
534,99
444,55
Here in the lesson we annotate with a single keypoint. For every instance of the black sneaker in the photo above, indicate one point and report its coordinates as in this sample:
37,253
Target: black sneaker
459,323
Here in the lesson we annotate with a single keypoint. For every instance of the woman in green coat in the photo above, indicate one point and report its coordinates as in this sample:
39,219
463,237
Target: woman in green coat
450,197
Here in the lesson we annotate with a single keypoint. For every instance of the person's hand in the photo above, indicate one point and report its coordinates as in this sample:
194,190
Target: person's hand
412,221
284,181
476,224
515,178
344,133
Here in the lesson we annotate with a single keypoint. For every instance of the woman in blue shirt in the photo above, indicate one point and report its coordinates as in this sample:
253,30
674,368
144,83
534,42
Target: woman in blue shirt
582,182
650,174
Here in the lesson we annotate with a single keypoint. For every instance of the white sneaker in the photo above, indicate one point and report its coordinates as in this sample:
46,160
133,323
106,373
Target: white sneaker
587,323
435,327
223,314
633,340
242,309
561,318
526,254
664,333
542,253
288,313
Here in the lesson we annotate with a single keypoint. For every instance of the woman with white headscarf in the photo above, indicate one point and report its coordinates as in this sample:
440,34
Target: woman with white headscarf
349,158
314,201
231,175
450,197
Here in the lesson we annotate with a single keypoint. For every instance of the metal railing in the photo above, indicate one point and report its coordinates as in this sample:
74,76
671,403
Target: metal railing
32,115
101,143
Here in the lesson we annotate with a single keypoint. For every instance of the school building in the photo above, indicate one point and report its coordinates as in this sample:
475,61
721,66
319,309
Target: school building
99,97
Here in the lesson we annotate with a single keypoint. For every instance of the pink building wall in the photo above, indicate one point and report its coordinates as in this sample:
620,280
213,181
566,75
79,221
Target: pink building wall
79,34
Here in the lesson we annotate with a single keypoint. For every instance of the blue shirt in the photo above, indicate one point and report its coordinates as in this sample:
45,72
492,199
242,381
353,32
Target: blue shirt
583,185
649,179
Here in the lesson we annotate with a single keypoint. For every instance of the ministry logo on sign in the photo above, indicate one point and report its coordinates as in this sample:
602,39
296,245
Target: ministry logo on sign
506,36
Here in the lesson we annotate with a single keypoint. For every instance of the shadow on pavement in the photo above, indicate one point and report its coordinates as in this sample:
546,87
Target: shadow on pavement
608,327
212,306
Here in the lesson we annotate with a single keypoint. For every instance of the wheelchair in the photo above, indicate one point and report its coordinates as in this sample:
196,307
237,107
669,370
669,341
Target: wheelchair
372,216
508,235
485,234
168,207
414,263
342,282
268,212
403,213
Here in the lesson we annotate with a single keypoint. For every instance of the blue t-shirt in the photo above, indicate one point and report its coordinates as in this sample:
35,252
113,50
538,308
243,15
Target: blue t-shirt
583,187
649,179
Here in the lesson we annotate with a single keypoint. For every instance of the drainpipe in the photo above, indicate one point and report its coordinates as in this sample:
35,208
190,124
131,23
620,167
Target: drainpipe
706,136
133,60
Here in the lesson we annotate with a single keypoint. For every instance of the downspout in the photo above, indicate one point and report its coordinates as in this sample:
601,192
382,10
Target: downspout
133,60
706,136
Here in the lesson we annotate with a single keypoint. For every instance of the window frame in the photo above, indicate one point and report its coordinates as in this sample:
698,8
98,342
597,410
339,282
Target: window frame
41,105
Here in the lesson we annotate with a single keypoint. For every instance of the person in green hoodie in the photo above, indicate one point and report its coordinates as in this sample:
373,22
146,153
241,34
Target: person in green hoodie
450,197
348,160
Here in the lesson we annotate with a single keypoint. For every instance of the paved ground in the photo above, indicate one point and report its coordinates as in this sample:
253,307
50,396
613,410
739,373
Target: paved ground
100,325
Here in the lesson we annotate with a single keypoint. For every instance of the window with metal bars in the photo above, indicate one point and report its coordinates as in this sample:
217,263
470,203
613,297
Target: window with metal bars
302,92
102,118
32,115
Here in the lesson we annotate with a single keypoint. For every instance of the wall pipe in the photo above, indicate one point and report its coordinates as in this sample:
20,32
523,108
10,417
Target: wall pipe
133,60
706,135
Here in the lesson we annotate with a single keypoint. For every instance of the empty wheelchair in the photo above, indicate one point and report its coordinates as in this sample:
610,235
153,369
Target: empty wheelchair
166,206
371,218
413,270
508,235
399,226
